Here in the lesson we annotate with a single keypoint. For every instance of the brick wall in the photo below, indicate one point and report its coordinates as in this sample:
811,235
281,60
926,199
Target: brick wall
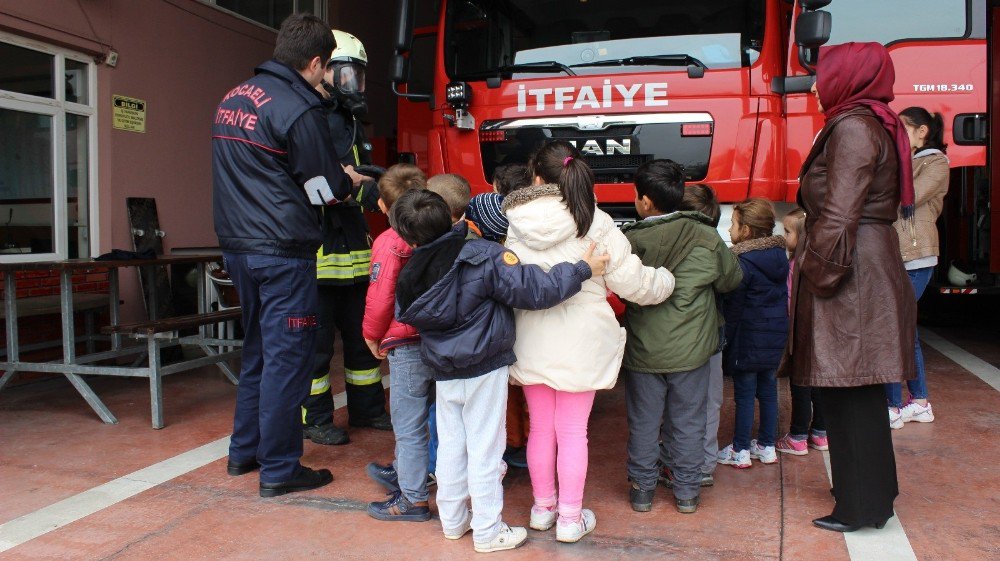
38,329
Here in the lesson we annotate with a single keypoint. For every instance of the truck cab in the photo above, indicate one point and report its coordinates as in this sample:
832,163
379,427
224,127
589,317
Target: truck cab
720,87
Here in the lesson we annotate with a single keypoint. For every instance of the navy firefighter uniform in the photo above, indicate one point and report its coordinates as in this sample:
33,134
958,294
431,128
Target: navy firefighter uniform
271,174
342,264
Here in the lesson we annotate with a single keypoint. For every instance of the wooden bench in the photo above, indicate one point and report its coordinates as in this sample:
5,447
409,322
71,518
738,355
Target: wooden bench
167,325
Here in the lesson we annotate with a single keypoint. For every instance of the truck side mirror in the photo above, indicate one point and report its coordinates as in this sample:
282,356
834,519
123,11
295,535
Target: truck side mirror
814,4
399,71
812,30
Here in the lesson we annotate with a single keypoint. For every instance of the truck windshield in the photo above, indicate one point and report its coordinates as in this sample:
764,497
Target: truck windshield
887,21
492,37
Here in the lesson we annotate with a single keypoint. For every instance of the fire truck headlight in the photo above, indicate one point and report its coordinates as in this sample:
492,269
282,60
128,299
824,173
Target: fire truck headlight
458,94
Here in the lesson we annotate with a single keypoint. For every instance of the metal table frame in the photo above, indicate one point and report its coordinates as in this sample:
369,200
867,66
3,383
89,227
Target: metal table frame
217,351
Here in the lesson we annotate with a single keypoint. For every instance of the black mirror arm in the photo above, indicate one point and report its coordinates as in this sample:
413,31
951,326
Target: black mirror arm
410,96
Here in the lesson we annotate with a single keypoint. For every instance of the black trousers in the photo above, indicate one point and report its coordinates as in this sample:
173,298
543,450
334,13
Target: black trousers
341,309
806,411
861,456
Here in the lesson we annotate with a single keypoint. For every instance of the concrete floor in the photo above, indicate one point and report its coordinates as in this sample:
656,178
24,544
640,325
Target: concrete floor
53,448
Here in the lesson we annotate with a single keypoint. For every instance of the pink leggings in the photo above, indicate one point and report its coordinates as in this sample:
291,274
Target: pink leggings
558,422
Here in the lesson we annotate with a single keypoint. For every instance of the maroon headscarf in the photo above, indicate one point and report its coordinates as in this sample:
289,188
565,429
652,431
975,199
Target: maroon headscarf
861,75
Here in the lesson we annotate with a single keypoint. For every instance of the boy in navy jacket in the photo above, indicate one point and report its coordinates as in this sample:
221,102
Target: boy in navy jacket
458,294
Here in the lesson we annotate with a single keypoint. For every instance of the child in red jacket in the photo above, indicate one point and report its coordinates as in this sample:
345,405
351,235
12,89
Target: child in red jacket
411,381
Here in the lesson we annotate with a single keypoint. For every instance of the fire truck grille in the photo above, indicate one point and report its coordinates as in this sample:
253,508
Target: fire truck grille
599,163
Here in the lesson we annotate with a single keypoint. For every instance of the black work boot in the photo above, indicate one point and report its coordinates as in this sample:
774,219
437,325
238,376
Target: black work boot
328,434
306,480
382,422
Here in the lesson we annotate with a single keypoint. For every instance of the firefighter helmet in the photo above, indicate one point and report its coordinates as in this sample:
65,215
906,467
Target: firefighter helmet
348,62
349,49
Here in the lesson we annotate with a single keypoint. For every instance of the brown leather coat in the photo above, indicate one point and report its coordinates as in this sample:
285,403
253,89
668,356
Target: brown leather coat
853,310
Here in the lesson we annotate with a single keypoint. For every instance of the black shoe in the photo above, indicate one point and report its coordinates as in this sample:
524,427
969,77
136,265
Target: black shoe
707,480
687,506
382,422
834,525
642,501
306,479
398,509
385,476
235,469
516,457
328,434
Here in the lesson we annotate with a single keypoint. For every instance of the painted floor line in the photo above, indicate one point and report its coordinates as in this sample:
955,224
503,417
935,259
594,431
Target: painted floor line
91,501
869,544
977,366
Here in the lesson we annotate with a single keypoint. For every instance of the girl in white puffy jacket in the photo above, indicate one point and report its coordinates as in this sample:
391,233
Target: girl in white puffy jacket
566,353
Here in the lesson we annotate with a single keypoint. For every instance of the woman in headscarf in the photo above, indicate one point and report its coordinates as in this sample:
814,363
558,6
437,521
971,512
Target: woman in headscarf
853,310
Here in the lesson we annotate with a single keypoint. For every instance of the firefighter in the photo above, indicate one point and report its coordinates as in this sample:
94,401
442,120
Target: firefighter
343,262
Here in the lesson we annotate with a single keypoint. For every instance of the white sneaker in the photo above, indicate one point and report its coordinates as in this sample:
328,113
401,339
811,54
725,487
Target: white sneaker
895,419
766,454
508,538
731,457
463,528
574,531
543,518
913,411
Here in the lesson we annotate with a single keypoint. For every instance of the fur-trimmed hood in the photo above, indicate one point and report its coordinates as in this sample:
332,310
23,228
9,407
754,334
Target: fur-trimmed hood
766,255
539,217
759,243
528,194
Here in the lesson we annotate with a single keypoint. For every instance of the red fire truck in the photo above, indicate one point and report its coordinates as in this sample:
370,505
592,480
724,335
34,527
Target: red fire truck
719,86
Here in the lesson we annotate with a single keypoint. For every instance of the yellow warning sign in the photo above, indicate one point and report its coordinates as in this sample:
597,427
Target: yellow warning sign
128,114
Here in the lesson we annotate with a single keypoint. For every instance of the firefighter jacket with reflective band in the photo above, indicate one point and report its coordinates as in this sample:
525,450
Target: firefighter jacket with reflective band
345,256
270,137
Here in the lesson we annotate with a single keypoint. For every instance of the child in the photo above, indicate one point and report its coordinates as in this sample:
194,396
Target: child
485,214
701,198
410,379
458,293
756,330
509,178
568,353
457,192
669,345
805,400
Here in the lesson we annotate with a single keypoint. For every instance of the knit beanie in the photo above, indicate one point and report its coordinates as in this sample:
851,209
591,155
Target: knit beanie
484,211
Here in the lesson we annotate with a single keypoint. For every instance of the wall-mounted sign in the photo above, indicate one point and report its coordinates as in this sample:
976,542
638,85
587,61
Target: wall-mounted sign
128,114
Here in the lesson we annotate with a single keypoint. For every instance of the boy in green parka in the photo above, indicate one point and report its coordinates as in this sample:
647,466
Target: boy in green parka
669,344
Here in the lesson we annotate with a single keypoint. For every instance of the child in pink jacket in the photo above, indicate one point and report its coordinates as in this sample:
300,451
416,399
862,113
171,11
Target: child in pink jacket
411,381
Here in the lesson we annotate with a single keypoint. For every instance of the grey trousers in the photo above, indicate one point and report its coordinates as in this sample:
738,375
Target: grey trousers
715,383
682,397
471,423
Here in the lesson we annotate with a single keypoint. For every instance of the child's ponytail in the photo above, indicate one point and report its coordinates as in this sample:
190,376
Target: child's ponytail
920,117
560,163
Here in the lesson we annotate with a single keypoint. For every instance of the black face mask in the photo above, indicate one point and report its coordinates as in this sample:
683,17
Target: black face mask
355,103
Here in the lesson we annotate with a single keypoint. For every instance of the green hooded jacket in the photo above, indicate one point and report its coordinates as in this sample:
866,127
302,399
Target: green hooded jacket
681,333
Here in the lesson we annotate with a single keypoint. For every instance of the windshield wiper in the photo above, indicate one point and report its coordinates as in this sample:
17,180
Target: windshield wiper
647,60
542,66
